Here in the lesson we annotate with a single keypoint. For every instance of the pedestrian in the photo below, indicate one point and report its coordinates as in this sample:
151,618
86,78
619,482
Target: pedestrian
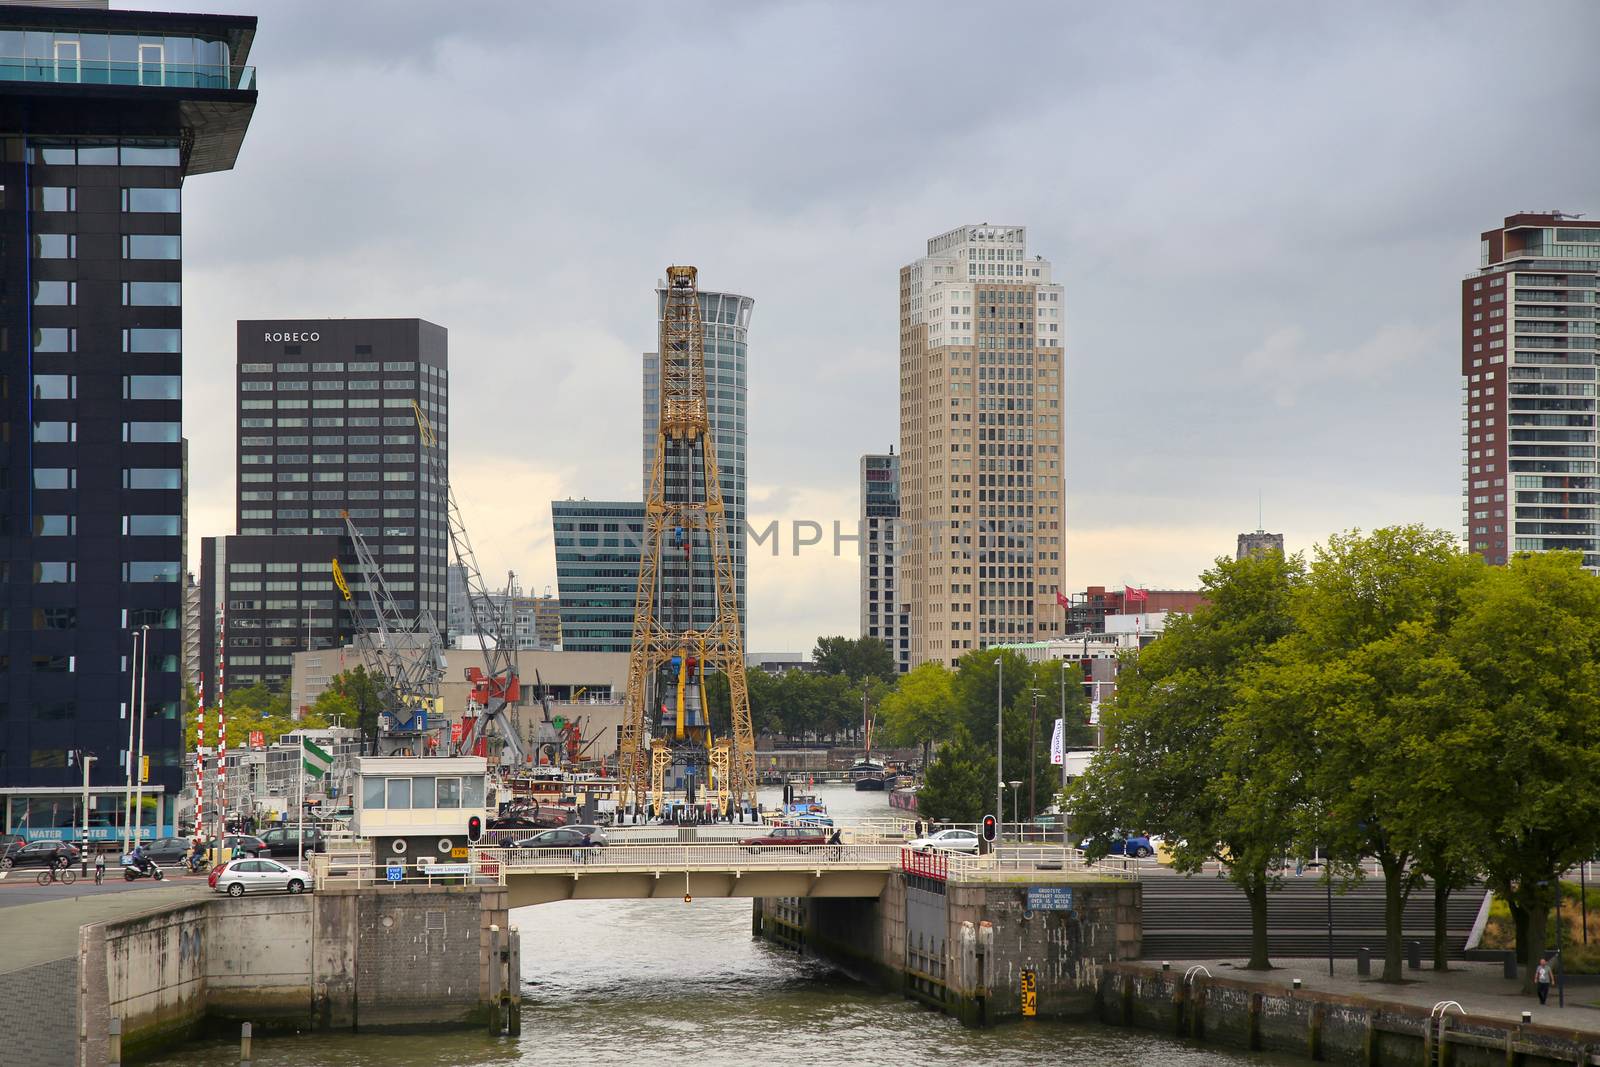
919,830
1541,980
99,866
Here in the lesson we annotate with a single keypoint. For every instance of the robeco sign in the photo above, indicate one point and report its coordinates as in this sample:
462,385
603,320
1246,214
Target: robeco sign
292,337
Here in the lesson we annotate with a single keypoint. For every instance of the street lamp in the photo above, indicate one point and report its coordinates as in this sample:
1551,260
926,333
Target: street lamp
1033,758
999,737
1014,787
128,760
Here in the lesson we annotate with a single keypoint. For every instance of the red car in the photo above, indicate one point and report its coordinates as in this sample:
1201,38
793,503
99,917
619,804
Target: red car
790,835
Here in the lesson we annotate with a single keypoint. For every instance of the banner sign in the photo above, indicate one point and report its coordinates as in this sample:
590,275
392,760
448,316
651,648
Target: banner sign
1057,749
1049,898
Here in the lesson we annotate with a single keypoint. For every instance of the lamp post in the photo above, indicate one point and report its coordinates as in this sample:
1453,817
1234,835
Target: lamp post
133,690
999,737
83,839
1064,838
1033,757
1015,821
138,761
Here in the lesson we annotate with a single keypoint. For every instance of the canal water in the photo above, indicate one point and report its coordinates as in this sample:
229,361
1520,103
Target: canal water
642,982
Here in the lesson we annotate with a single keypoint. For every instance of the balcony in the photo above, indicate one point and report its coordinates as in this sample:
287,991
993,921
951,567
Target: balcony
122,73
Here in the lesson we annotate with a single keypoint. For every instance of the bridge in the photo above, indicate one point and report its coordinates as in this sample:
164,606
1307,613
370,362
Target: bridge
674,871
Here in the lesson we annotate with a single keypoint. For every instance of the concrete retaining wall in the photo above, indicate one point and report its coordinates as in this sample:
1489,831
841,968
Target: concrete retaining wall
41,1002
1330,1027
383,957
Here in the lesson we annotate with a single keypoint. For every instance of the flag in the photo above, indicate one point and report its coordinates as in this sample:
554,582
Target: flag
1094,709
1057,752
1132,595
1062,600
316,761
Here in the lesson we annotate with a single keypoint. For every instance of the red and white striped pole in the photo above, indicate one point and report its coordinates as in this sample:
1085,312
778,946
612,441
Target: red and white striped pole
200,760
222,728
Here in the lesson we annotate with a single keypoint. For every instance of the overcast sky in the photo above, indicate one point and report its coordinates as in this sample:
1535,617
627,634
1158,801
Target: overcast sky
1260,213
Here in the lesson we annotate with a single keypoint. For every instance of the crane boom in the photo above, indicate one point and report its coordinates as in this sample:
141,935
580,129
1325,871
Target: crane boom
496,687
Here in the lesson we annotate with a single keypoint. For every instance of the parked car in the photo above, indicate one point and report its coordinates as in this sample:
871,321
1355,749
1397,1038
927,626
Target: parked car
7,841
564,837
256,876
41,854
1137,845
285,841
790,835
167,851
241,844
947,841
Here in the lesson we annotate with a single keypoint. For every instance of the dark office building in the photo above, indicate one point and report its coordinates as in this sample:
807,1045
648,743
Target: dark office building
103,115
279,598
597,572
327,424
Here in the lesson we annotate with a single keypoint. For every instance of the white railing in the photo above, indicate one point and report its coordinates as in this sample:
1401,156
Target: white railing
689,857
1014,861
357,870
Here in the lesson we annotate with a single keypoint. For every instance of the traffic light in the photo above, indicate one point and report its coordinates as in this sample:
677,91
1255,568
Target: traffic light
474,828
990,827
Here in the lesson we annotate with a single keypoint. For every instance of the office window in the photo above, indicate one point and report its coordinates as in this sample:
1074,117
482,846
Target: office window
150,246
151,155
55,294
55,618
54,573
152,295
55,246
55,525
152,387
143,340
55,387
153,432
150,525
55,664
151,478
150,572
55,433
55,339
164,201
55,477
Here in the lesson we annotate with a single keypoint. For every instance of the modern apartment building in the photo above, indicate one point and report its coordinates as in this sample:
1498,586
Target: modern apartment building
882,615
532,621
725,318
104,115
981,490
1528,330
597,571
327,425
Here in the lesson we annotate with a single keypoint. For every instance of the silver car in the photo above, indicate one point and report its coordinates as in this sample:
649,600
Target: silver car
259,875
947,841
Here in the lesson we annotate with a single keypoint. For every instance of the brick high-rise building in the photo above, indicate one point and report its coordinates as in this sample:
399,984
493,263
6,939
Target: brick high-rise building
1528,322
981,495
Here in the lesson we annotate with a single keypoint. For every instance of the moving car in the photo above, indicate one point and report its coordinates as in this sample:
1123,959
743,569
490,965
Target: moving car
241,844
1137,845
167,851
947,841
564,837
41,854
285,840
257,876
790,835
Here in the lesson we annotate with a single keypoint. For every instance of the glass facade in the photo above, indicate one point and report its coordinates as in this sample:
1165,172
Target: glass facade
597,572
725,318
79,57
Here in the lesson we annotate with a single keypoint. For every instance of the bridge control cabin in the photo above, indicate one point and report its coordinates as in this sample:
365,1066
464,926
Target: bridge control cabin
415,810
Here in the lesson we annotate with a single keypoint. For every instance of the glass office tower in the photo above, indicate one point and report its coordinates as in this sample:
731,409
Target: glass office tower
103,115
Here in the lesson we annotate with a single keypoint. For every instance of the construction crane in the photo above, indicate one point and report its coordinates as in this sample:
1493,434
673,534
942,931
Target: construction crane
666,725
496,688
401,652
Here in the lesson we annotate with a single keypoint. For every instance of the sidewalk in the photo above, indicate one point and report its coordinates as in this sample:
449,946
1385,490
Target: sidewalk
1480,988
48,930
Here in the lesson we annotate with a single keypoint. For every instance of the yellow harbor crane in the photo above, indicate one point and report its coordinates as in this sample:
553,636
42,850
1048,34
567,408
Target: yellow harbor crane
667,723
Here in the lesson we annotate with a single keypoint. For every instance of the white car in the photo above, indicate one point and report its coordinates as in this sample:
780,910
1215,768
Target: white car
259,875
948,841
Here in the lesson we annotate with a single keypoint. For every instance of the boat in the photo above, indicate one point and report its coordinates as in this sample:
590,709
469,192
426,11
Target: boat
868,774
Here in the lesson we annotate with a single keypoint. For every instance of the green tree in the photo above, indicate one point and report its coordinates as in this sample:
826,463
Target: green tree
1183,758
921,709
1530,742
1358,698
854,657
367,696
331,708
958,784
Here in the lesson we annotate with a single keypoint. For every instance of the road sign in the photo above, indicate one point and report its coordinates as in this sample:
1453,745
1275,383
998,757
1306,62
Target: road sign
459,853
1049,898
258,739
396,872
1030,993
449,868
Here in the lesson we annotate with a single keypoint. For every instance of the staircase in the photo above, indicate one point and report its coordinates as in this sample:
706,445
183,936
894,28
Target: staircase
1206,917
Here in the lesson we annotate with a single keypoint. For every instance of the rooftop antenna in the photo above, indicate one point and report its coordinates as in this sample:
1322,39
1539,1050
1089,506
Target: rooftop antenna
1259,526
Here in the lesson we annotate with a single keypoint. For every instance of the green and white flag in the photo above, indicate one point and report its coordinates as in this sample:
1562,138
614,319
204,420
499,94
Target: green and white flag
317,762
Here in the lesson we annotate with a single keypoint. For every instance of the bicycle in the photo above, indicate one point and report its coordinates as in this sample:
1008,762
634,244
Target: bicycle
64,875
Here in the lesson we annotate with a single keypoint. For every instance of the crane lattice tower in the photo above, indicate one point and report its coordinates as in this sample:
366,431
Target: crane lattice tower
667,722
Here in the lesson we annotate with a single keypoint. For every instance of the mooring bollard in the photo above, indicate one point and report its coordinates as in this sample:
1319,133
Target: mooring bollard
114,1043
1364,961
1527,1017
244,1045
1414,955
1297,983
1166,965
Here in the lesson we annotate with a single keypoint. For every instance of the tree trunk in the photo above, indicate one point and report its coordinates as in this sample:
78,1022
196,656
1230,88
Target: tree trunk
1537,912
1519,922
1441,918
1255,889
1394,910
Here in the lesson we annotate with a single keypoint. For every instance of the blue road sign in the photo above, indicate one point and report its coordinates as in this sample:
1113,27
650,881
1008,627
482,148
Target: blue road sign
1049,898
396,872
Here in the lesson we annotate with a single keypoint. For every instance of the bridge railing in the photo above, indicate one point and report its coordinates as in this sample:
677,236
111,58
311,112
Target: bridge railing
1011,861
357,870
689,857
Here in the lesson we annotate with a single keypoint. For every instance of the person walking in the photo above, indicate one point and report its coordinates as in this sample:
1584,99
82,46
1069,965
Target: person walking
1541,980
919,830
